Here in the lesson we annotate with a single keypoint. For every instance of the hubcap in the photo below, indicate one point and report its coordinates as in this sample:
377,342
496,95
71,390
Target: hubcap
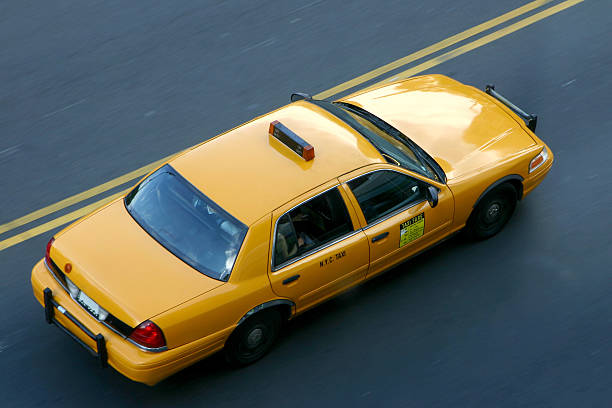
493,212
255,337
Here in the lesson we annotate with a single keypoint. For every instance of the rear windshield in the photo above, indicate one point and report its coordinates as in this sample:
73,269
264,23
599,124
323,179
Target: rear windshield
186,222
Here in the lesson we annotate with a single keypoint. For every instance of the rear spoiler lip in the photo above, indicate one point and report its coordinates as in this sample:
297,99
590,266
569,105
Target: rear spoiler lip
530,120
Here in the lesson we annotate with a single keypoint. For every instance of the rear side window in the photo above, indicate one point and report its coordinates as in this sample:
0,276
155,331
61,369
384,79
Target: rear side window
311,225
382,192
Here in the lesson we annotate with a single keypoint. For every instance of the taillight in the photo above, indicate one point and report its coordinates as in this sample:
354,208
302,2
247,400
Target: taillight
47,257
147,334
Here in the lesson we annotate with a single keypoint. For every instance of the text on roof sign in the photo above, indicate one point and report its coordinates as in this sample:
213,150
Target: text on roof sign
287,137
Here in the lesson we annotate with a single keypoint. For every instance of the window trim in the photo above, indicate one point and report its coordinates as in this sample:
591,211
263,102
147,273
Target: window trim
391,214
314,250
275,268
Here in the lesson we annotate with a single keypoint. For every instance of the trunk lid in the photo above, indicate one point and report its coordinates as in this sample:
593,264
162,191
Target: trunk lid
123,269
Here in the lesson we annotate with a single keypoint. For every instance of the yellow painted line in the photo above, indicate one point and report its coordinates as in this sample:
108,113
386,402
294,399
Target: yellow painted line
143,170
432,48
480,42
349,84
92,192
64,219
332,91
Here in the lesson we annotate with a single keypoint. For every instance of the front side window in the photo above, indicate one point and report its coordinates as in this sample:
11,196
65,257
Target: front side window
186,222
311,225
381,193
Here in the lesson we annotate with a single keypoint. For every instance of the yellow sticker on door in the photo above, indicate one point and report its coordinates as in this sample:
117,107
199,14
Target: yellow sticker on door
412,229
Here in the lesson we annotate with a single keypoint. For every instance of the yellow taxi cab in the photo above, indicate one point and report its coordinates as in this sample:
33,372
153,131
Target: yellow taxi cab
219,246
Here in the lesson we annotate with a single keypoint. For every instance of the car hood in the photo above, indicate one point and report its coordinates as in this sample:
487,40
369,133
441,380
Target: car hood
462,128
121,267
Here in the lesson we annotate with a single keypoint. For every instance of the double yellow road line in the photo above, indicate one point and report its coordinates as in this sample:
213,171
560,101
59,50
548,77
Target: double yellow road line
369,76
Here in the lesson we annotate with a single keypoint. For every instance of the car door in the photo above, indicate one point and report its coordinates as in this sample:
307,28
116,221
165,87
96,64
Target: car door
318,248
396,215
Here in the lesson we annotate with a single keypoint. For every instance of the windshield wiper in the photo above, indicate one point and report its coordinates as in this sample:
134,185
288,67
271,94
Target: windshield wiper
421,154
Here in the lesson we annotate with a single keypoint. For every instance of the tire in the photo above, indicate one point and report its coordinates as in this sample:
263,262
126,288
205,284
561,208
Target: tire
253,339
492,212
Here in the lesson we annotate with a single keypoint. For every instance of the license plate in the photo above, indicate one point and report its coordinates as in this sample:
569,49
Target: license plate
89,304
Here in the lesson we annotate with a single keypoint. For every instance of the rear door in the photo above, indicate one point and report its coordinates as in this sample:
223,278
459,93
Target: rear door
318,248
395,214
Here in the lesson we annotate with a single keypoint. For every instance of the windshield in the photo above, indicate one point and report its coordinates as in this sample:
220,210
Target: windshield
186,222
391,142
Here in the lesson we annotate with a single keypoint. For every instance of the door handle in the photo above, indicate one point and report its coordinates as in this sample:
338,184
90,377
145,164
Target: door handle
381,236
291,279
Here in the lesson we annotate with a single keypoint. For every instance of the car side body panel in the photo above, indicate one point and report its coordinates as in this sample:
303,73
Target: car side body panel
467,190
387,252
222,308
326,271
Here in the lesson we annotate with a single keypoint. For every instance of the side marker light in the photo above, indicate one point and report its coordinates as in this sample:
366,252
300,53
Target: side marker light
537,161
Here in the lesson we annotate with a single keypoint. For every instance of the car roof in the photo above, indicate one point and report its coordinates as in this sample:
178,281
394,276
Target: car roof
250,173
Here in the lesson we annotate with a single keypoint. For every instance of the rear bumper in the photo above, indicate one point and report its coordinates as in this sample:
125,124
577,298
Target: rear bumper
108,346
51,305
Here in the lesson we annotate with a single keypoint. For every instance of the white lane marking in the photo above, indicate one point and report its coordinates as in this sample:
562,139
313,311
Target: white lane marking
72,105
305,6
265,43
568,83
9,151
11,339
6,153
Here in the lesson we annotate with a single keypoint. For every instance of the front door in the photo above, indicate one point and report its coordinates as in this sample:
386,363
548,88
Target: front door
398,220
318,249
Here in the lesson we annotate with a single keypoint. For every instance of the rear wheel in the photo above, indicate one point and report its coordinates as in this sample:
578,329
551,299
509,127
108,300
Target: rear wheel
253,338
492,212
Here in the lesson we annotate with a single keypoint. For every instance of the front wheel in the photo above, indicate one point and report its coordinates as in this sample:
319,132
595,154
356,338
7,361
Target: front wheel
493,212
253,338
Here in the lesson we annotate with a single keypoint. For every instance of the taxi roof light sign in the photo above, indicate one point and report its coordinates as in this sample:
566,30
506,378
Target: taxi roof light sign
287,137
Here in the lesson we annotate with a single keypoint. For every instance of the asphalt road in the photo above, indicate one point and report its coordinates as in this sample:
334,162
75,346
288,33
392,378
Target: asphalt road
91,90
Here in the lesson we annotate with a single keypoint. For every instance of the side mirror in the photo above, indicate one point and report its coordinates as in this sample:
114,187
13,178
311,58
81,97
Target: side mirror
432,196
298,96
